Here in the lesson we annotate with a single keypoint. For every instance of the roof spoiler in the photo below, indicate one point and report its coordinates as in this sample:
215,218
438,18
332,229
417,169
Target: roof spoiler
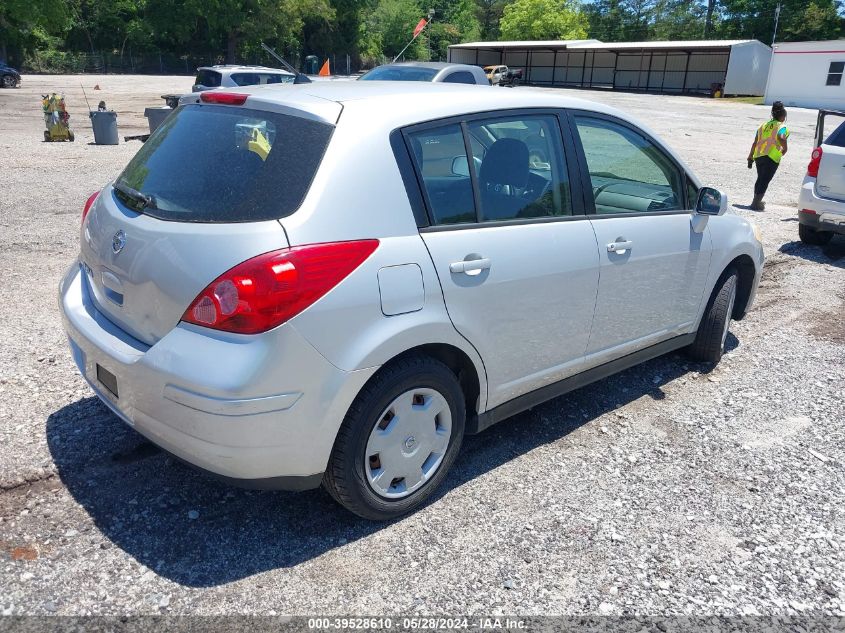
298,78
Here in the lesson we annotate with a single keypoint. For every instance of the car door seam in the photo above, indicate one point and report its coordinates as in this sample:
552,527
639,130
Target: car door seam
452,322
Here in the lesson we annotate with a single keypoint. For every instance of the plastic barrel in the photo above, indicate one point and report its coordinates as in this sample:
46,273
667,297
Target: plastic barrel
105,127
156,116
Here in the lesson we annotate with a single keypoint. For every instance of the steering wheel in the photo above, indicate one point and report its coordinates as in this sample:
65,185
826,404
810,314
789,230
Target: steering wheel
536,187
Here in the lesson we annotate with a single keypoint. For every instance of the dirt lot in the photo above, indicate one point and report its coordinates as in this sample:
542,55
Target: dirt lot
668,489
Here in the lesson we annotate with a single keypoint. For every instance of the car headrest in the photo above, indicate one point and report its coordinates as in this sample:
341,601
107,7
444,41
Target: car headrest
506,163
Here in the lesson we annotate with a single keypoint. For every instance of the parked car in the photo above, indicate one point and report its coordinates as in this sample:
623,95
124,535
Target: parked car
333,283
9,77
503,76
821,203
231,76
511,77
427,71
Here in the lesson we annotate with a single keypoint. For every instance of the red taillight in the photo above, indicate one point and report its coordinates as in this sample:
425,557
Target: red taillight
815,160
223,98
808,211
267,290
88,204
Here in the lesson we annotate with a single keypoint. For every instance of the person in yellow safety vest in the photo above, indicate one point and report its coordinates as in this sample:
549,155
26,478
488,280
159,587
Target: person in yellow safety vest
768,148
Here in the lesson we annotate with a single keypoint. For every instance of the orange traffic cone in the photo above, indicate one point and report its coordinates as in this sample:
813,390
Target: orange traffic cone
325,71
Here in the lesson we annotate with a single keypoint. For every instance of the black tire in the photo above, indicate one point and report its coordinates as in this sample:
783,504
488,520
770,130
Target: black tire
812,236
47,137
709,343
9,81
345,478
70,136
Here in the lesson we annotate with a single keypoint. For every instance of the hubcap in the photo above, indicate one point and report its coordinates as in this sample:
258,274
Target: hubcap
408,443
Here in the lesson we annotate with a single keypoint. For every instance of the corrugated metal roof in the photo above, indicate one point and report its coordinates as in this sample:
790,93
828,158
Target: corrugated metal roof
524,44
599,45
659,45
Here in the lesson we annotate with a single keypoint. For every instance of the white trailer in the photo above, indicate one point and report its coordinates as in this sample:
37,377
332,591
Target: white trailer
808,75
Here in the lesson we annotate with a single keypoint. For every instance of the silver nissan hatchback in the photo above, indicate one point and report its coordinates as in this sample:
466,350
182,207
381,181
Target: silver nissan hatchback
334,283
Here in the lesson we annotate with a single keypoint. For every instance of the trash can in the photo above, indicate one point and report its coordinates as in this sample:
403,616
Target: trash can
104,123
312,65
156,116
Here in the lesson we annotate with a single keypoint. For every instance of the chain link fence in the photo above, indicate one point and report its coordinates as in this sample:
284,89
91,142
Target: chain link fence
153,63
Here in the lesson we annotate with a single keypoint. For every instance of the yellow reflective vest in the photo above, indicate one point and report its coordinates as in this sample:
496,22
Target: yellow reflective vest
766,142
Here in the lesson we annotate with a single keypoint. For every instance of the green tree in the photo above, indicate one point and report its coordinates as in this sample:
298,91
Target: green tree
817,22
543,20
338,35
489,13
387,27
708,18
799,20
107,24
640,16
454,21
250,22
24,22
607,20
677,20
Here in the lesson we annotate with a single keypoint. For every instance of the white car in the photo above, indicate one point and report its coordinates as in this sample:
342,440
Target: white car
333,283
232,76
821,204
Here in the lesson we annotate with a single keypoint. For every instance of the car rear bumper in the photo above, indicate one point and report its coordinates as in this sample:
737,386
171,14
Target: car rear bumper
822,214
263,410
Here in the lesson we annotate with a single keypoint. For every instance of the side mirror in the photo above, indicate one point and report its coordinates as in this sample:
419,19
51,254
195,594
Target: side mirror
711,201
460,166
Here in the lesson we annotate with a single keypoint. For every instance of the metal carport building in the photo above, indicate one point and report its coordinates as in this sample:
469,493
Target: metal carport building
740,66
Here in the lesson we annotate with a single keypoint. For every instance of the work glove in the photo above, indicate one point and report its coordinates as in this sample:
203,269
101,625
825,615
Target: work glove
750,163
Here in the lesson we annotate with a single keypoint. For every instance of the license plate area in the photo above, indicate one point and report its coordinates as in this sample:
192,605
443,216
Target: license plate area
836,219
108,380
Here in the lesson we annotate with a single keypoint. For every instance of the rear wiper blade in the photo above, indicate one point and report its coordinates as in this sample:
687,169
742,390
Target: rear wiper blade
145,200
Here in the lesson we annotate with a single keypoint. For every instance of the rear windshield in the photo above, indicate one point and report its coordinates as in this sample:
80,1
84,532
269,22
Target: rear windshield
224,164
207,78
400,73
837,139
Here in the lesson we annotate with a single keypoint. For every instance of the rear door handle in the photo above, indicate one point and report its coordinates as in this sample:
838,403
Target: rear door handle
619,246
470,265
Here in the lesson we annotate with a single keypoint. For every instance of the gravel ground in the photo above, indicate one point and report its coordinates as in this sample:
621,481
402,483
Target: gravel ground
668,489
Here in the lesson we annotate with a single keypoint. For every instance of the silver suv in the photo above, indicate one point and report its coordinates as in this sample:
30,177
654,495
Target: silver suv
333,283
427,71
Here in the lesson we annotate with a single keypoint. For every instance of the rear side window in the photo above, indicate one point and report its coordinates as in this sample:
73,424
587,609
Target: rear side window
517,164
838,137
460,77
520,168
208,78
441,159
260,79
225,164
